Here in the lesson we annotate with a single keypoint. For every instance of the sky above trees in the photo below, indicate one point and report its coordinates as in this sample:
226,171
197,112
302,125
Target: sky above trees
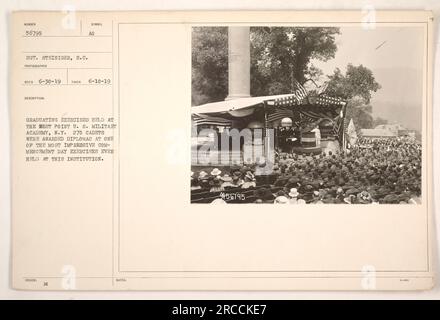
395,56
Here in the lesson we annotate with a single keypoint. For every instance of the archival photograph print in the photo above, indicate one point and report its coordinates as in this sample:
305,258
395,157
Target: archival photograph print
307,115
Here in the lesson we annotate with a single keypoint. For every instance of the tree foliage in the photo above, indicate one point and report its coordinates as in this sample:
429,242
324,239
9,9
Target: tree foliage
278,55
209,64
357,81
281,54
356,86
360,112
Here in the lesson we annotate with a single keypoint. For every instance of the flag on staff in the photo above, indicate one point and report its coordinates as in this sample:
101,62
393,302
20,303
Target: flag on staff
351,133
300,91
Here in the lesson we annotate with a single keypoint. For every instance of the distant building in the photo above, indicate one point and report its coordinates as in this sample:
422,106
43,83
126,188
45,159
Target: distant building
378,133
392,127
388,131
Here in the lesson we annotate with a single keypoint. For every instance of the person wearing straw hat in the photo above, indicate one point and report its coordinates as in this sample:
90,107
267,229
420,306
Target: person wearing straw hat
203,179
249,181
215,172
281,200
293,194
227,181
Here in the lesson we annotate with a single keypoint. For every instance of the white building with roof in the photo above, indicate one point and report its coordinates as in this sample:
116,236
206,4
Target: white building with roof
388,131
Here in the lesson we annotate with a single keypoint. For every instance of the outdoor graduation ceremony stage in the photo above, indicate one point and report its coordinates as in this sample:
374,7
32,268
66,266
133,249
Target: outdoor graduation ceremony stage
286,114
293,123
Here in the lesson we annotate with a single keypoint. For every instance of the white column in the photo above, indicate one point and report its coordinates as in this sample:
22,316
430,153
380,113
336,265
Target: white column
239,62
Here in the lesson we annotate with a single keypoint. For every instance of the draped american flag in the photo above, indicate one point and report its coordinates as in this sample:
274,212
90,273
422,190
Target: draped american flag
279,113
299,91
198,120
284,107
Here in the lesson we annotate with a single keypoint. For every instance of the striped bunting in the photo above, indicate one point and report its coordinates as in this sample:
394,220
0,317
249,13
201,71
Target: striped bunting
292,100
311,119
300,91
279,114
198,120
298,98
327,100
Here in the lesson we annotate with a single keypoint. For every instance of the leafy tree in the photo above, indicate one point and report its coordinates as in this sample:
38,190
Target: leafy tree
357,81
356,86
360,112
281,54
278,55
209,64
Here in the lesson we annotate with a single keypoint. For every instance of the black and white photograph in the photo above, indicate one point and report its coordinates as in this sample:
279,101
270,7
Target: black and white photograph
307,114
332,110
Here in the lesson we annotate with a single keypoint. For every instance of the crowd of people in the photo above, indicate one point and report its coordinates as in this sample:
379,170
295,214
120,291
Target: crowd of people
375,170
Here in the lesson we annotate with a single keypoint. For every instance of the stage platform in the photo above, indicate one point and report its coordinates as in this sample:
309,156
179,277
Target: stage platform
307,150
326,146
220,158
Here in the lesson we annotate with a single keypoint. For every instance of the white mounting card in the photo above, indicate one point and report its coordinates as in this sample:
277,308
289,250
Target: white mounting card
117,121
